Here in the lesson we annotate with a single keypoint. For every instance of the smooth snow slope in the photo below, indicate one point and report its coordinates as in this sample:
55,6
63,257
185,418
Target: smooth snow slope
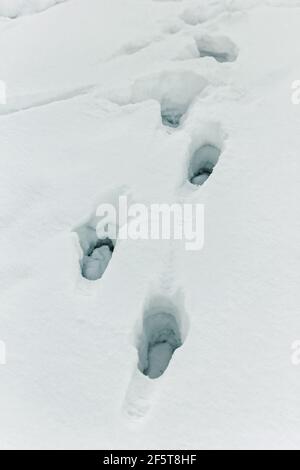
87,83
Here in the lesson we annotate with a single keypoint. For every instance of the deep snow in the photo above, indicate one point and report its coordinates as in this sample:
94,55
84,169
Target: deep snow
113,96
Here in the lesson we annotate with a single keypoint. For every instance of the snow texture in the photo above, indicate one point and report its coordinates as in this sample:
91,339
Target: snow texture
131,344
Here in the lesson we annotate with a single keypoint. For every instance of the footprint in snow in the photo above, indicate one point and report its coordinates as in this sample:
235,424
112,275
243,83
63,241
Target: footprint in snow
174,90
163,330
94,264
221,48
98,238
161,334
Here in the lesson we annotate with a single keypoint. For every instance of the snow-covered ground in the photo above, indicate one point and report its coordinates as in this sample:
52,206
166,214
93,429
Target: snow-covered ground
106,97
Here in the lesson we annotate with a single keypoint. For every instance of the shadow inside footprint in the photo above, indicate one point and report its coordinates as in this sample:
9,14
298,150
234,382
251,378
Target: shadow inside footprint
221,48
95,264
98,236
202,164
161,336
175,91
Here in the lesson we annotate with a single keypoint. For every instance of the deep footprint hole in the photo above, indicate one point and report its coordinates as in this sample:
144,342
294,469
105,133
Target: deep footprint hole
174,90
171,117
221,48
160,338
202,164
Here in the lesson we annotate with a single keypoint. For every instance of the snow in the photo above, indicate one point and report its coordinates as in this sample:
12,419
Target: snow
97,246
15,8
106,97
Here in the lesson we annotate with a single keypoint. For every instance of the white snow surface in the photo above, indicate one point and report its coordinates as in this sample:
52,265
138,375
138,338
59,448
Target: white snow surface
86,84
15,8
